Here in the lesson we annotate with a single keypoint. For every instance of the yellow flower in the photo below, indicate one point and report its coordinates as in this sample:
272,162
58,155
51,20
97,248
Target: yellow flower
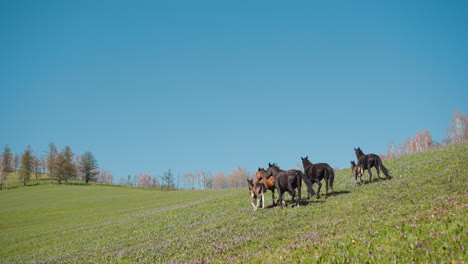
352,241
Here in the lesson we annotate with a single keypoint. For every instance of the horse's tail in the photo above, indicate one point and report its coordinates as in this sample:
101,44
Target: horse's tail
299,182
384,170
331,177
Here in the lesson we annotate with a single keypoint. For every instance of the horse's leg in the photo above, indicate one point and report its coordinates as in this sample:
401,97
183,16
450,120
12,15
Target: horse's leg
280,200
319,187
326,188
273,196
252,202
369,171
263,200
293,194
299,183
309,183
378,172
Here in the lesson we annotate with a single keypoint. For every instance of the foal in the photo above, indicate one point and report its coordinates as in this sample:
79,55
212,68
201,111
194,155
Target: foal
269,183
357,171
257,192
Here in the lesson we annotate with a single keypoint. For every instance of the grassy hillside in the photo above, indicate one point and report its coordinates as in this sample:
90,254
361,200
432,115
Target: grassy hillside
420,215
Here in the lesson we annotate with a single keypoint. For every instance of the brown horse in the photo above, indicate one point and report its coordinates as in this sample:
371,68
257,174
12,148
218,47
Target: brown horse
357,172
269,183
286,181
257,192
368,161
316,172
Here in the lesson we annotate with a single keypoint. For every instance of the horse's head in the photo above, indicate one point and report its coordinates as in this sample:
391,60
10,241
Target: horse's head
358,152
353,164
250,183
260,175
273,169
306,161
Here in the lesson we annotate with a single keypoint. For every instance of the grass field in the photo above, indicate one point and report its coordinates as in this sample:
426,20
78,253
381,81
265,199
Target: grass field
419,216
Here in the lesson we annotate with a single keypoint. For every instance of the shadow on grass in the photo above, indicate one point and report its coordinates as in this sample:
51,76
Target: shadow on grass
290,203
374,180
77,183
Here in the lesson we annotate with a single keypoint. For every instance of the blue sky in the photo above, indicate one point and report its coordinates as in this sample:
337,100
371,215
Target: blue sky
210,85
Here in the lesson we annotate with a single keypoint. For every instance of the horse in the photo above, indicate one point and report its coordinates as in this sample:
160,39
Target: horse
286,181
370,160
257,192
269,183
357,171
316,172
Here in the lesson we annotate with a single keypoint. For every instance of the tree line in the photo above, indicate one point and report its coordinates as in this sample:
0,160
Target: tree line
60,166
457,132
197,180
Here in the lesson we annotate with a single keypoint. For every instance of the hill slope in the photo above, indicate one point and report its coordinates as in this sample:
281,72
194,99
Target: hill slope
419,216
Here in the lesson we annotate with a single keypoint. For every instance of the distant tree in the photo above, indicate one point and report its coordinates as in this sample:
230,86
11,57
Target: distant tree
26,167
65,167
144,179
155,183
51,160
121,181
129,180
15,161
79,169
110,178
36,165
218,181
237,178
105,176
208,180
6,166
42,164
89,167
189,180
168,179
458,129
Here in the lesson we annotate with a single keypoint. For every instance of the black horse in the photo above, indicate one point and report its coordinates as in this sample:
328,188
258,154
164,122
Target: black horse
286,181
371,160
317,172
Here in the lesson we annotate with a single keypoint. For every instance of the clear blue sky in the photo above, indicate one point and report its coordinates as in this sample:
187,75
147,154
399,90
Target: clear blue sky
210,85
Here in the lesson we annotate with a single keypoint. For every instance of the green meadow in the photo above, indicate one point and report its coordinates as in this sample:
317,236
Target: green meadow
419,216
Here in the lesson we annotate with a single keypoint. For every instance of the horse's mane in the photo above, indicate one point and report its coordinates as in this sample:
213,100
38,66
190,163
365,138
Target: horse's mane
274,165
360,151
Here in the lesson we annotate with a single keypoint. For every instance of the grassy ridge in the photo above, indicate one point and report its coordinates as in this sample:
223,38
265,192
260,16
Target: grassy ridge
419,216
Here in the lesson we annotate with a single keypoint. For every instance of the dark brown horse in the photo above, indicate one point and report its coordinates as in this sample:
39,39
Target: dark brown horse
286,181
269,183
257,192
357,172
370,160
316,172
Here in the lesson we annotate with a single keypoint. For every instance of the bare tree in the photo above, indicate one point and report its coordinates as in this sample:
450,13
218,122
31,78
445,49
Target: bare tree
237,178
51,160
218,181
168,179
189,180
15,161
458,130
